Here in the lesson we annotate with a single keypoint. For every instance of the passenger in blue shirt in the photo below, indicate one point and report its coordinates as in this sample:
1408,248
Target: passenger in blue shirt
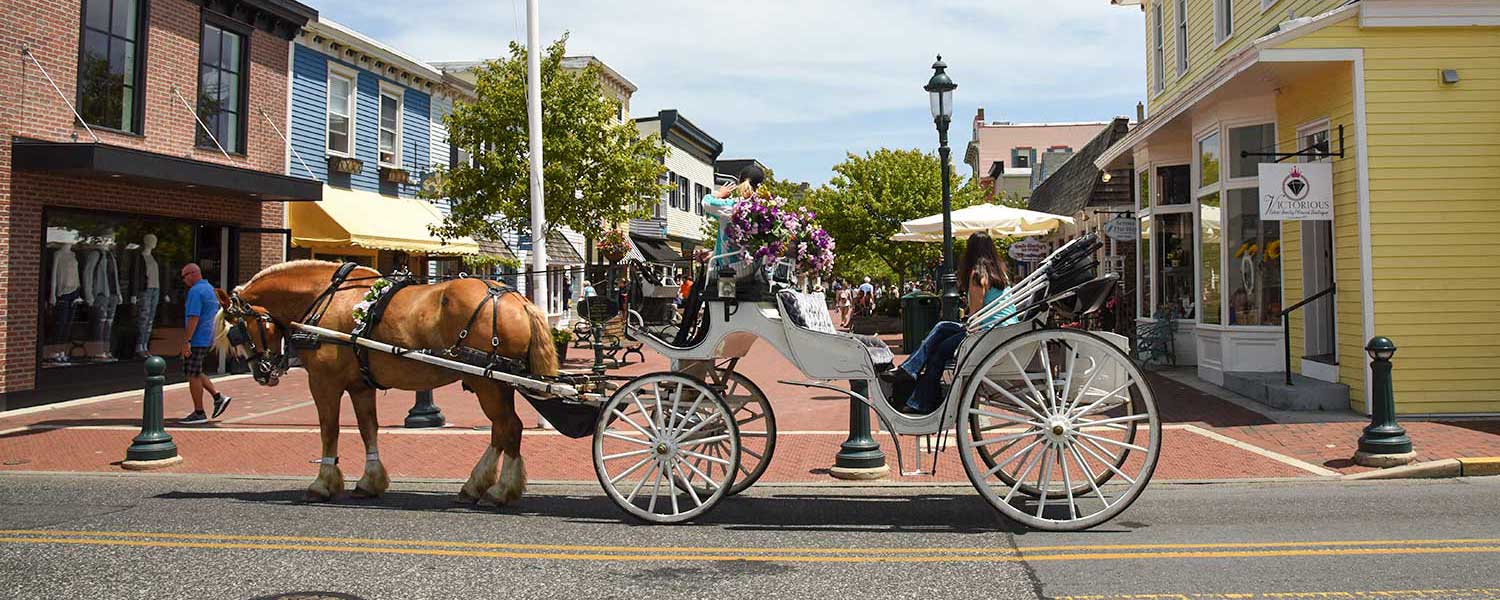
199,307
986,277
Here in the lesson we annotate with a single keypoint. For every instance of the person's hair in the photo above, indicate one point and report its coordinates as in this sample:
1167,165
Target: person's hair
980,259
749,181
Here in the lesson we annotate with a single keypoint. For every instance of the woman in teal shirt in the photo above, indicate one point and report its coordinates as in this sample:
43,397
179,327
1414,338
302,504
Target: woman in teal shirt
717,205
986,277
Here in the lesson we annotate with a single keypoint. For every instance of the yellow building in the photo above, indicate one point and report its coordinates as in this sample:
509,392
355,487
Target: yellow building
1402,97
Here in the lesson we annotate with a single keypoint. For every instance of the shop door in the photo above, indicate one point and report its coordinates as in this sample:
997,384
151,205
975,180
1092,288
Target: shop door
1320,355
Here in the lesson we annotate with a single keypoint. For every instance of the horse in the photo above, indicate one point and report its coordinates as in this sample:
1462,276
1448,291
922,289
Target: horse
419,316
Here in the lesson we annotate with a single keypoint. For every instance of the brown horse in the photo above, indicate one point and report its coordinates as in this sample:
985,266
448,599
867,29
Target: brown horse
420,317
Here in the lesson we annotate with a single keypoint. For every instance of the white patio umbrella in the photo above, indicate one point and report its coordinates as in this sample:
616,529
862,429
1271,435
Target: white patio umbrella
995,219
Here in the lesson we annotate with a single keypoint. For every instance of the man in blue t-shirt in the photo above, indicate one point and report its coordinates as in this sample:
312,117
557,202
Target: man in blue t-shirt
199,308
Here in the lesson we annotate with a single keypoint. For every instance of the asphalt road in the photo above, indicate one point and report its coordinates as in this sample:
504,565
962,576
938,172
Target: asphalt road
168,537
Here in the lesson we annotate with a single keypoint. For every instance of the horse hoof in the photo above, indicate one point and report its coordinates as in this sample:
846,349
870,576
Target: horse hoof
465,497
316,496
360,492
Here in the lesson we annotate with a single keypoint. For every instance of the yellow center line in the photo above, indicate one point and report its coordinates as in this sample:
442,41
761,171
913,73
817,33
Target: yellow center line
736,550
785,556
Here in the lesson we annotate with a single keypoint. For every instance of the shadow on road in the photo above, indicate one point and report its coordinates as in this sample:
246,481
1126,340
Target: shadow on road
907,513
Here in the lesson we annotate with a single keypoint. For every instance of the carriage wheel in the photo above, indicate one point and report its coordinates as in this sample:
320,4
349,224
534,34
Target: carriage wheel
1066,413
980,426
757,426
649,432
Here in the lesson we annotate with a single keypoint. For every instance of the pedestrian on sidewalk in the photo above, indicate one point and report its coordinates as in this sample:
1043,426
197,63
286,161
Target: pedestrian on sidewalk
199,309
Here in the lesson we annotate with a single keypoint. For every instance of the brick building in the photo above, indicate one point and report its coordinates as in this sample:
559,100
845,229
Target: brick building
181,159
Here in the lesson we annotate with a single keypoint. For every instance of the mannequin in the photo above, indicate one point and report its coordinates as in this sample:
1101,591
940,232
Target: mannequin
63,293
146,282
103,285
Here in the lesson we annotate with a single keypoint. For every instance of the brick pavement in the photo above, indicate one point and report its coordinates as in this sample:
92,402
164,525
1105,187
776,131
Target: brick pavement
272,431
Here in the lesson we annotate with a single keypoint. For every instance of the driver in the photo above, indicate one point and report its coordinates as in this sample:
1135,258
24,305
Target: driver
717,206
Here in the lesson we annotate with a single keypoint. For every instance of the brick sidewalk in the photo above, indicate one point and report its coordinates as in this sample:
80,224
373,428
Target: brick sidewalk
272,431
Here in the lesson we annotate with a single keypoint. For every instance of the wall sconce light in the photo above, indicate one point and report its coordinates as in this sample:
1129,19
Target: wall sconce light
1450,76
1105,177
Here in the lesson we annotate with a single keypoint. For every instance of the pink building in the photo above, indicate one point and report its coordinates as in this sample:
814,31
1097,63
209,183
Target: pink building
1002,153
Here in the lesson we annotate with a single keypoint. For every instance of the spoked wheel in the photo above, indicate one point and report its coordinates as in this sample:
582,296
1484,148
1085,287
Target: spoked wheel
650,432
757,426
1051,430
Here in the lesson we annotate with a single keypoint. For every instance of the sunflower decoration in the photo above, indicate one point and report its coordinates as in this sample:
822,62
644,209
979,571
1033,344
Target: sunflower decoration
1247,249
1273,250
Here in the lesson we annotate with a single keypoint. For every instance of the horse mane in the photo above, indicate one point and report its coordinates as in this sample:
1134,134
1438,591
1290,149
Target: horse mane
293,265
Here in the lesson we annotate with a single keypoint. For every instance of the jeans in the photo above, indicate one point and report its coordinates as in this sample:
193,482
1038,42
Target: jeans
145,315
926,364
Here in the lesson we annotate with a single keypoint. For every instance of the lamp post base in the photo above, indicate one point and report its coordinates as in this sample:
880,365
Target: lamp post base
425,413
853,474
1382,461
147,465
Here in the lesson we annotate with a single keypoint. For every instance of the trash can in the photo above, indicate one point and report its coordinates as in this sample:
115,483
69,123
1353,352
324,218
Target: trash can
919,314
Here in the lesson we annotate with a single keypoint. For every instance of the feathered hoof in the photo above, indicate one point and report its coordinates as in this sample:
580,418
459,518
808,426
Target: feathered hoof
500,495
329,484
465,497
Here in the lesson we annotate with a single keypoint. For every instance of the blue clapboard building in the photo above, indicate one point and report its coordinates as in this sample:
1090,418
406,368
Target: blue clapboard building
366,120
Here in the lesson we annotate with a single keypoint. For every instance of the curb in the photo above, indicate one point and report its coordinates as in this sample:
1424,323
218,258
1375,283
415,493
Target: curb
1449,467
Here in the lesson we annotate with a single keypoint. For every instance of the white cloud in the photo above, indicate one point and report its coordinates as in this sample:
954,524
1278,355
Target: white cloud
822,67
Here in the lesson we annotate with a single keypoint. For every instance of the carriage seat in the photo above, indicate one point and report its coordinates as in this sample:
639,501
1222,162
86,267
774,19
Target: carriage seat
810,312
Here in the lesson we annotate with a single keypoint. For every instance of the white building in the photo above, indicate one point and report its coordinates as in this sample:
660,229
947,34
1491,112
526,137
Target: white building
679,222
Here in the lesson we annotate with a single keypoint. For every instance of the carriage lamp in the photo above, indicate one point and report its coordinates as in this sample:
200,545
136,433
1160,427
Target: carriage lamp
726,282
940,92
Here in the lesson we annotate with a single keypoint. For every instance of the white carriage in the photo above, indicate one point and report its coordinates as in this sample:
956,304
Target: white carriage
1057,427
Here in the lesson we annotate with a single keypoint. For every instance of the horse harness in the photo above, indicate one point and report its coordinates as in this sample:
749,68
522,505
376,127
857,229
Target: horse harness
303,340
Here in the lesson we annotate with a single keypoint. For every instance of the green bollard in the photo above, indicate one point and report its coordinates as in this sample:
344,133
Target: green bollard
1384,443
153,448
859,457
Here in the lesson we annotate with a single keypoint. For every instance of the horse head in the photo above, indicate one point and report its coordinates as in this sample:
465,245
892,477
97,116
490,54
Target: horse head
255,336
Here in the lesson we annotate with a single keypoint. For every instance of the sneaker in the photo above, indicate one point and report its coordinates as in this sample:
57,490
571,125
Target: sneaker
194,418
221,403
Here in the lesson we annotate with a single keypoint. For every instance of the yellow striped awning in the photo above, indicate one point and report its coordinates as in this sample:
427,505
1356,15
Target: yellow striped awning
345,218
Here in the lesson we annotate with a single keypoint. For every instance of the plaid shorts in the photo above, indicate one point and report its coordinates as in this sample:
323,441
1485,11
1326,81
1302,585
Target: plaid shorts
192,365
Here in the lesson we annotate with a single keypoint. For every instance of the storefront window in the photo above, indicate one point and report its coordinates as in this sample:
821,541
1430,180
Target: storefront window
1211,232
1174,246
111,287
1208,160
1252,139
1254,270
1143,201
1174,186
1143,259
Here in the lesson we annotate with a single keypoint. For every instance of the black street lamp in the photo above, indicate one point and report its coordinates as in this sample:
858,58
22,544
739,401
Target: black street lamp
940,89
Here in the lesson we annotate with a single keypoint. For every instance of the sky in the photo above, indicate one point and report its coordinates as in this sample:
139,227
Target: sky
799,84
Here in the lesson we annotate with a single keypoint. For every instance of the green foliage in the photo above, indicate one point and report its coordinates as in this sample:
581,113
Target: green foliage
482,263
596,171
561,336
869,196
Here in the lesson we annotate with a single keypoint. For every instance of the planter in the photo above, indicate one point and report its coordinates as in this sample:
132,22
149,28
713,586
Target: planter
562,351
873,324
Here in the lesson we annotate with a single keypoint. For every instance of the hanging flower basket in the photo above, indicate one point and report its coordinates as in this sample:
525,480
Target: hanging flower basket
614,245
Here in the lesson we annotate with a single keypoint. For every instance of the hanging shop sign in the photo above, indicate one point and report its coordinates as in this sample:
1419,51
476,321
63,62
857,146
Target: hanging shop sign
1028,250
1296,192
1121,229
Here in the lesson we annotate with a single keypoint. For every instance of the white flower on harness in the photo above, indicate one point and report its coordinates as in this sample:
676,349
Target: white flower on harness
361,311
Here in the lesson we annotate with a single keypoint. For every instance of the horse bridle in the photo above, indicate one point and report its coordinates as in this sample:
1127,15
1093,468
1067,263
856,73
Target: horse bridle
263,365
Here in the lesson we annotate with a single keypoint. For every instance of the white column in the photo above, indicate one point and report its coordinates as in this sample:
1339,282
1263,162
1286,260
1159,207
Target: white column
534,122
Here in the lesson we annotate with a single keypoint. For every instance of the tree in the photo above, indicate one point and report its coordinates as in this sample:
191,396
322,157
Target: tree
869,196
596,173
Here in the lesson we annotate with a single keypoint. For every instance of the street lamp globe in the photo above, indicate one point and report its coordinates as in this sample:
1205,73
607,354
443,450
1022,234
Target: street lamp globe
940,90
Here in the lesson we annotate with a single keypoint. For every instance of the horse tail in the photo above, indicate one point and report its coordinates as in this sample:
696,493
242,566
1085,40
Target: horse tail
541,353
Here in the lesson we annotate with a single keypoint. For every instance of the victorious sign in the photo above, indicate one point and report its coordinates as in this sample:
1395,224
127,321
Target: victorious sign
1299,192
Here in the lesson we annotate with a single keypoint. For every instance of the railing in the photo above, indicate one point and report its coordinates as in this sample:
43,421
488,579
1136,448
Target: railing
1286,326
